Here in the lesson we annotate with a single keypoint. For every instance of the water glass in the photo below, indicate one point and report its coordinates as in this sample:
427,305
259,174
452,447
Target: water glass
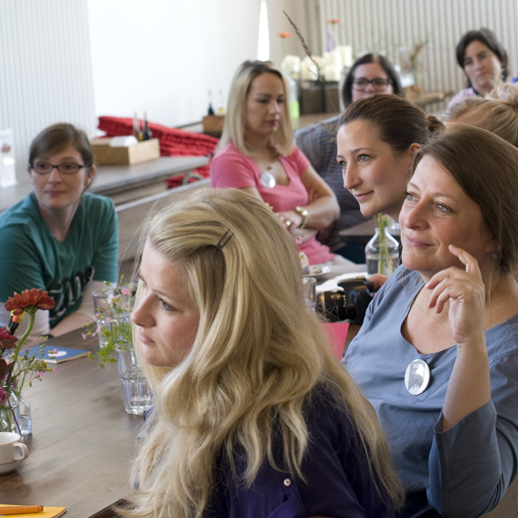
309,289
138,394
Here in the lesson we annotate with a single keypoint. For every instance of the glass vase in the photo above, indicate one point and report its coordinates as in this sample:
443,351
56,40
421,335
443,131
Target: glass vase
137,392
382,253
15,416
10,415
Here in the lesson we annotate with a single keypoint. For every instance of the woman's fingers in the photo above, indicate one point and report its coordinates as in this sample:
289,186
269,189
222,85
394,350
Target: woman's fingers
467,260
454,283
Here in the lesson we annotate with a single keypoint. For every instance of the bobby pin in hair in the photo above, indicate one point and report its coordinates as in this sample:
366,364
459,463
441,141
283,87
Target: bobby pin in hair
225,239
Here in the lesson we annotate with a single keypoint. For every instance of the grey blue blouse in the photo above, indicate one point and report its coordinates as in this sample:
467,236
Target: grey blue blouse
465,470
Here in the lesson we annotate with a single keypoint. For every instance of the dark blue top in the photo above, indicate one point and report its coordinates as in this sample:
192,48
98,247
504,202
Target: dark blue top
338,481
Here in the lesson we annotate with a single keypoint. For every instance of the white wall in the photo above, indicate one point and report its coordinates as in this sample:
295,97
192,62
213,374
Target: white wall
73,60
163,56
45,70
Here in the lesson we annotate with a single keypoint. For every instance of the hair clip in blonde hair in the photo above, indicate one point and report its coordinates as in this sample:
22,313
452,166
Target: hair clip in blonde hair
224,239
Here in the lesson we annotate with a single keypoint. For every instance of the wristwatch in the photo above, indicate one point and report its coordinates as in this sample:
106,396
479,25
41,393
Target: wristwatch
304,213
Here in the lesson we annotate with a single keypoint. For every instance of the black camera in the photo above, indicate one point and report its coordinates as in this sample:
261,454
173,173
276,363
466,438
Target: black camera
349,304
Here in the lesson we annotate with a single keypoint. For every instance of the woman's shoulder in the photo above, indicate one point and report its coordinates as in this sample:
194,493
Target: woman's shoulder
321,131
327,416
401,283
229,152
95,210
24,213
502,341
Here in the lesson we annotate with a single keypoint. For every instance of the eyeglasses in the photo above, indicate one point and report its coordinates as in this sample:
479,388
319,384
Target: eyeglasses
64,168
379,84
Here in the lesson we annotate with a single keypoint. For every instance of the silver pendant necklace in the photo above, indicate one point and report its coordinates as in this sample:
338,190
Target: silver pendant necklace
267,178
417,377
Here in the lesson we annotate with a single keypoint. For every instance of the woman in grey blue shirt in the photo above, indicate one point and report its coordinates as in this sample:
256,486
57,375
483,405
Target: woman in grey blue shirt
437,355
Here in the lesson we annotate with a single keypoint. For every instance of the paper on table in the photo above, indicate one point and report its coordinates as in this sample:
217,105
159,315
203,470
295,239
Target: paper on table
48,512
52,354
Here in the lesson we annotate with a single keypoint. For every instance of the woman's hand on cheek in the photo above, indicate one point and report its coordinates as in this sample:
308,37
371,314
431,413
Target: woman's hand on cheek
465,291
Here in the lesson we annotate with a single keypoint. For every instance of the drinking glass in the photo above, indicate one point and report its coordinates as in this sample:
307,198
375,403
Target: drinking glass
138,394
309,289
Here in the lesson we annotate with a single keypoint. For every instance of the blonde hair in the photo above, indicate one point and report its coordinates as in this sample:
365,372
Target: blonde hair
258,355
234,129
497,112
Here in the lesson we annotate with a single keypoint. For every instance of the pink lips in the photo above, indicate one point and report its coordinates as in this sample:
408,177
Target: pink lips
416,243
362,196
145,340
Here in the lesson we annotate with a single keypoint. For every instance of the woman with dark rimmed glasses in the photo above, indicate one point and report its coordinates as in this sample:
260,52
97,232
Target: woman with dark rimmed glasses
59,238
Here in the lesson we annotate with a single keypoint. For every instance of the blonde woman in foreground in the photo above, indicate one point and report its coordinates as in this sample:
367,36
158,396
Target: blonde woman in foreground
254,417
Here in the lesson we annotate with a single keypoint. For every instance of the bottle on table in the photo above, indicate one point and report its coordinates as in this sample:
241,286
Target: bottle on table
146,133
381,253
210,111
137,133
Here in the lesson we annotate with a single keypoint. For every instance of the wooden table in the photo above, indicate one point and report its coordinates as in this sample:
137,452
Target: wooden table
83,441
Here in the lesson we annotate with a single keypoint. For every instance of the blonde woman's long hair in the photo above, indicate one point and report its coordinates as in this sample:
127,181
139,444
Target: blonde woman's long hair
258,355
234,129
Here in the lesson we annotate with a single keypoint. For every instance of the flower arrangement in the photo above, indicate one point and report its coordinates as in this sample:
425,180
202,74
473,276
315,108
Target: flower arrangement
17,369
113,322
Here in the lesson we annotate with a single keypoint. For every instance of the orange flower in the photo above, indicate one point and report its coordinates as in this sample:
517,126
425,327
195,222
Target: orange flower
30,301
334,21
284,34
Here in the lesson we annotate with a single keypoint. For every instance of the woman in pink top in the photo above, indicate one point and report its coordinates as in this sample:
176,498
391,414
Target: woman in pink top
257,154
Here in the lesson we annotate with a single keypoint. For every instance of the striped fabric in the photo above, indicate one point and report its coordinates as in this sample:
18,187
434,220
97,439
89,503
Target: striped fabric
173,141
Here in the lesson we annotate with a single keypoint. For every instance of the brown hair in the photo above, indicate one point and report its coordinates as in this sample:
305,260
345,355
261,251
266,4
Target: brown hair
399,122
235,119
497,112
380,60
57,137
488,38
485,166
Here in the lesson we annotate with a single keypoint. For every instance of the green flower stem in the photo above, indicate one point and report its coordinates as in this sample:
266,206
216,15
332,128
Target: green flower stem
381,238
20,343
384,258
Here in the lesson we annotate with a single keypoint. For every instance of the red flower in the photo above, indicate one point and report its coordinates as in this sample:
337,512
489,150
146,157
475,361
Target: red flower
5,368
7,340
284,34
29,300
4,396
334,21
